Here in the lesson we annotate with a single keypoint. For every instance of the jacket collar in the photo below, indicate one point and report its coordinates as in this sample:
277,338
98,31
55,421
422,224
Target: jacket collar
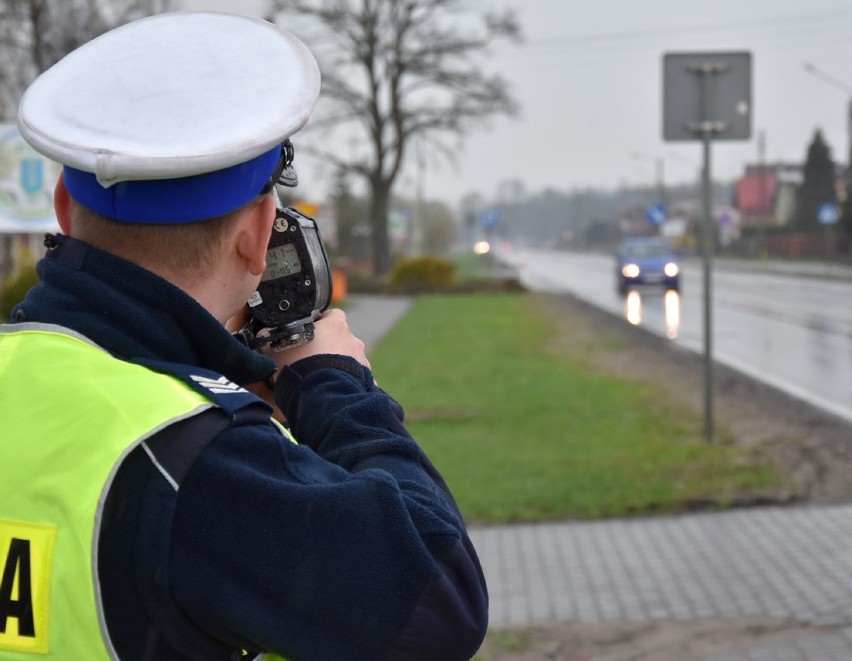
132,312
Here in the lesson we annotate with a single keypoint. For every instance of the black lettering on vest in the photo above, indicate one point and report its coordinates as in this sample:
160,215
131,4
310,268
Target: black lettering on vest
17,563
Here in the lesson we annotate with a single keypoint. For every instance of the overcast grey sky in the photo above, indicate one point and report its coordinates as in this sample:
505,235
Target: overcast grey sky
589,81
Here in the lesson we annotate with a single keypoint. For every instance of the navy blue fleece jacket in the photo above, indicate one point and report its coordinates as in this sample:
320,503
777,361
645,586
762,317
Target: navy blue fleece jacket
346,546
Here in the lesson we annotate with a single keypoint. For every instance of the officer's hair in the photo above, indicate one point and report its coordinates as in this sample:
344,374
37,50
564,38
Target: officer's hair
187,249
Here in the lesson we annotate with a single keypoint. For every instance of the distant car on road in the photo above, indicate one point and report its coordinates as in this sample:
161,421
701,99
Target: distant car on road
646,261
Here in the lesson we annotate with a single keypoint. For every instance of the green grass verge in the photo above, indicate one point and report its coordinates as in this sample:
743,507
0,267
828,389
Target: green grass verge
523,434
470,266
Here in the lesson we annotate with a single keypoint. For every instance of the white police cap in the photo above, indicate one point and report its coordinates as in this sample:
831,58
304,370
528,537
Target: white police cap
172,118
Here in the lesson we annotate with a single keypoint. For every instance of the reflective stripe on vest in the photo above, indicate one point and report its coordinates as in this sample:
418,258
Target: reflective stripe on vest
70,414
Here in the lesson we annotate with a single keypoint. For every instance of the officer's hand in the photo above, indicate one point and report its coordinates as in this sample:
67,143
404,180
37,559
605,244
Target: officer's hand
331,335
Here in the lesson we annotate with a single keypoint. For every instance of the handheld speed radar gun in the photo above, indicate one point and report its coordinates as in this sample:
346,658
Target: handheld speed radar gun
295,288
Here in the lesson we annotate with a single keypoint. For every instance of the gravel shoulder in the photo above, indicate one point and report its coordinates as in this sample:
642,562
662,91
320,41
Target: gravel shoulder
811,446
659,640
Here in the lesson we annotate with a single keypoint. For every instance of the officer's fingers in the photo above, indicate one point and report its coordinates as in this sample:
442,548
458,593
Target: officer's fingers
333,325
331,336
334,322
333,330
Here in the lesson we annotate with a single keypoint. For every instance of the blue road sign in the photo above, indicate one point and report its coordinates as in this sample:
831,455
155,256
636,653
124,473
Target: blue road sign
828,214
490,218
656,214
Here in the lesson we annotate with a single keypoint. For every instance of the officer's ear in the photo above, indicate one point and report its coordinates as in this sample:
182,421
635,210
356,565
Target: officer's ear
62,205
253,231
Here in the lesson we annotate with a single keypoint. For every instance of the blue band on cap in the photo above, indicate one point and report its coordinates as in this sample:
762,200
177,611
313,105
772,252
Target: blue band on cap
181,200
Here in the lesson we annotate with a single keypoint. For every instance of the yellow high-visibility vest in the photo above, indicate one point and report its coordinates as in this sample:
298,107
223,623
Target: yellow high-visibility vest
70,413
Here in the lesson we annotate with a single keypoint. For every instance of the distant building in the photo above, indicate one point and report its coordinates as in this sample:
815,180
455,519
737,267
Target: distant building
766,194
789,179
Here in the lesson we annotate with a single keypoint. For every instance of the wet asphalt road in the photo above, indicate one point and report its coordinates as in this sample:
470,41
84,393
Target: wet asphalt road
792,330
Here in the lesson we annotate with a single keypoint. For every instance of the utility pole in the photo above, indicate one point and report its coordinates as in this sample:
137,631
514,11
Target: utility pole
419,229
659,173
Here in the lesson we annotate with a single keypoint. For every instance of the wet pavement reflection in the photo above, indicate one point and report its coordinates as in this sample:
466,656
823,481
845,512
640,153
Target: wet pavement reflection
670,309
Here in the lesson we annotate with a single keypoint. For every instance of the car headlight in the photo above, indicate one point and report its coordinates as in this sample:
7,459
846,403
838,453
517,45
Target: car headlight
630,270
670,269
482,247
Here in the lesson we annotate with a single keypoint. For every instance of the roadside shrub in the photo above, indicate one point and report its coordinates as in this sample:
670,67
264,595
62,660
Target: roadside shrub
424,273
15,288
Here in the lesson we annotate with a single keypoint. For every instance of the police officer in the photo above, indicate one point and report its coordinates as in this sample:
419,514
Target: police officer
150,507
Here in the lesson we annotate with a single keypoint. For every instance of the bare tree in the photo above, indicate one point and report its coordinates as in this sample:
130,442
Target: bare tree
398,71
34,34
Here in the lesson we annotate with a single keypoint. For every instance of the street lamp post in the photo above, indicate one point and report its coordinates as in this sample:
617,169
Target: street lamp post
841,85
837,84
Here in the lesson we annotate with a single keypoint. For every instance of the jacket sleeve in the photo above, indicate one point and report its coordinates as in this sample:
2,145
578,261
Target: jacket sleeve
348,545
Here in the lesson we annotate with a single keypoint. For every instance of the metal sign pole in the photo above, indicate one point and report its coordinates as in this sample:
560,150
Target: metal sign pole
706,129
707,249
700,103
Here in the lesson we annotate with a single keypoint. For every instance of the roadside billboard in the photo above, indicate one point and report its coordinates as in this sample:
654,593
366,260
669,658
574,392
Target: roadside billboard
26,186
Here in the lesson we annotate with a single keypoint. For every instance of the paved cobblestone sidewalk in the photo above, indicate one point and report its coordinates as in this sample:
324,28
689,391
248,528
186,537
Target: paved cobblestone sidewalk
776,562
